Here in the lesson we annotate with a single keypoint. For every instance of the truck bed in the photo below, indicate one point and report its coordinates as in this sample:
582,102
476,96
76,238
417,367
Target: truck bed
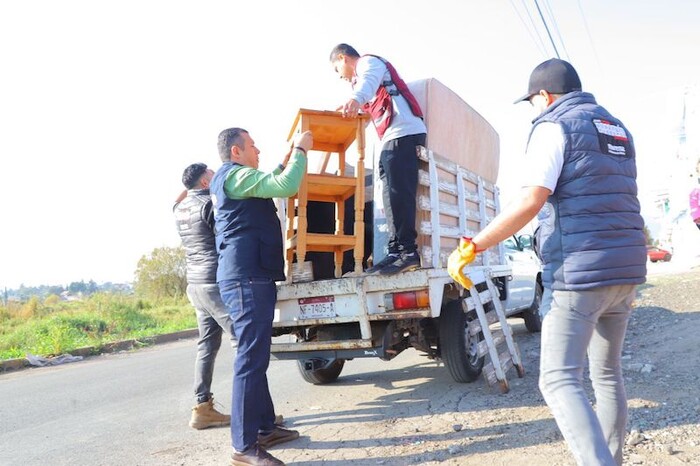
361,300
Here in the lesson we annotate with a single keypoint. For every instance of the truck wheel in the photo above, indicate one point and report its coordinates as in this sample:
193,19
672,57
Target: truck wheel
457,348
533,322
327,370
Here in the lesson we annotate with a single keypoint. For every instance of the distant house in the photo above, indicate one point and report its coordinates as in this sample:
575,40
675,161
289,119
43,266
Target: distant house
67,296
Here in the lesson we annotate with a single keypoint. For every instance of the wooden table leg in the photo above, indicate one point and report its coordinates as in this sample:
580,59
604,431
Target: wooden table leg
302,223
359,225
289,256
339,230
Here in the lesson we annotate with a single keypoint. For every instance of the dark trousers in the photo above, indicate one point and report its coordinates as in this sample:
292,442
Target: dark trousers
398,171
251,305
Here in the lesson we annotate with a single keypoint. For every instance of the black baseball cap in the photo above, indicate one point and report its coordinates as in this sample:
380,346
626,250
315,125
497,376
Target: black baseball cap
554,76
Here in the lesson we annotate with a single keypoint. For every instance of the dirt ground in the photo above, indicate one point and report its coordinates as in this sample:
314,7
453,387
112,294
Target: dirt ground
421,420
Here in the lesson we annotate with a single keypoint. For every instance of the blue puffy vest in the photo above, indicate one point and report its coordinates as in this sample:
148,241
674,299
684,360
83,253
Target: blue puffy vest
248,234
591,231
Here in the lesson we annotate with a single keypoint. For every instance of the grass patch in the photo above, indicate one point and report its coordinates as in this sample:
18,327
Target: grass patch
53,328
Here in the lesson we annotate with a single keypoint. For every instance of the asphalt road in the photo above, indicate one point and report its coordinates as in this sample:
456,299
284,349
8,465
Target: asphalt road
110,409
129,408
132,408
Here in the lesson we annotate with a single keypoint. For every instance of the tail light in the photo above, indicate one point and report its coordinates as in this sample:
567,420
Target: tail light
407,300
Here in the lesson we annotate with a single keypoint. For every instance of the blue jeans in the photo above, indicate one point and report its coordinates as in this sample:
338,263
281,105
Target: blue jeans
212,320
575,323
251,305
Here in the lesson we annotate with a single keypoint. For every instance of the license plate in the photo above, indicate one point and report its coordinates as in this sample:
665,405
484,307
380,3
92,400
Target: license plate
318,307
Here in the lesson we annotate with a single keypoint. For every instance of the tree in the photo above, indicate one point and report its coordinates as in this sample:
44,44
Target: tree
161,274
77,287
91,287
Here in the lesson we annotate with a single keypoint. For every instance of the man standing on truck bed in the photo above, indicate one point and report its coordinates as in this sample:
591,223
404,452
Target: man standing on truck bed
582,181
251,259
379,90
194,218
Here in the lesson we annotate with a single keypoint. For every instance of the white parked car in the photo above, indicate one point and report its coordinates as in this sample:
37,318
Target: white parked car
525,287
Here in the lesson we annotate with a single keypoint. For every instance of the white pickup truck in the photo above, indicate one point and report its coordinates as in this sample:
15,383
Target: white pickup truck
332,321
525,284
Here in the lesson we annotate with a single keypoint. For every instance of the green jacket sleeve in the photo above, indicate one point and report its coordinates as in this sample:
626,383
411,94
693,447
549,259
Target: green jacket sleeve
246,182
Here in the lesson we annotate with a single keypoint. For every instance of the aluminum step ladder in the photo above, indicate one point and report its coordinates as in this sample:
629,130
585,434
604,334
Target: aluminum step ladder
498,343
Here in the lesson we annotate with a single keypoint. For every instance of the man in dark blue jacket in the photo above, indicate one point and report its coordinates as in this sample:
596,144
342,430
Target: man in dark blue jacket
581,179
251,260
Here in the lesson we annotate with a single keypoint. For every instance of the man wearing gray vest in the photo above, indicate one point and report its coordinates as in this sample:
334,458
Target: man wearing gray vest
194,218
581,183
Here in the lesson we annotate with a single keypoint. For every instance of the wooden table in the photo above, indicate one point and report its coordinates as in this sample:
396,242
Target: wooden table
332,134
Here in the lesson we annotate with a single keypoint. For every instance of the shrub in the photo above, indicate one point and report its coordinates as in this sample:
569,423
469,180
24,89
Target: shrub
100,319
51,300
30,308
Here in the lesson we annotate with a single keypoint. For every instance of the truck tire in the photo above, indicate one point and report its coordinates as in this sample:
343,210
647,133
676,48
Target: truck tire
457,348
533,322
328,374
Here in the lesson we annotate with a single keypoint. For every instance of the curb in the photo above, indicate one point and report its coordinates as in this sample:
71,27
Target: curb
113,347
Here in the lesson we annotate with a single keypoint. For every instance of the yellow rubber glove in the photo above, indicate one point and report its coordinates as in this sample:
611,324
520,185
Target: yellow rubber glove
460,257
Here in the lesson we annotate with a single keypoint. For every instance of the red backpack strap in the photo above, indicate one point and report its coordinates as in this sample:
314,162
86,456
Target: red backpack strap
401,86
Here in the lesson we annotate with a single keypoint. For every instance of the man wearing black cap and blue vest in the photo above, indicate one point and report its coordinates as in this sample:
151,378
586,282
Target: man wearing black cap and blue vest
581,184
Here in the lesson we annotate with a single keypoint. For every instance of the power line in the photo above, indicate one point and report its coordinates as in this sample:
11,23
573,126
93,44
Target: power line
547,29
556,27
590,38
536,38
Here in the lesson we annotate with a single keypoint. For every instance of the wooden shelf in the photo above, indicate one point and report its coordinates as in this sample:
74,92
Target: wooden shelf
331,134
324,242
326,187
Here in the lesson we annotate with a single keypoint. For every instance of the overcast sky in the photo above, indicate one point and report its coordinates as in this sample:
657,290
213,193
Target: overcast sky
103,104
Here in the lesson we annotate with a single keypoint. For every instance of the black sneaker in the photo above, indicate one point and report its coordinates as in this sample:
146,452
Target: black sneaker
388,259
407,261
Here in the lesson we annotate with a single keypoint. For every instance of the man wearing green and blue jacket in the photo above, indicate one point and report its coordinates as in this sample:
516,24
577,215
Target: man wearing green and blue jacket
251,260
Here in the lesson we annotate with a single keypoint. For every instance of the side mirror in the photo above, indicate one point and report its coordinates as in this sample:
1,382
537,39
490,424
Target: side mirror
525,241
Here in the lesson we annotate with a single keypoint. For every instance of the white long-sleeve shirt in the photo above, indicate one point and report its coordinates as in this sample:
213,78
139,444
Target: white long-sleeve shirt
370,73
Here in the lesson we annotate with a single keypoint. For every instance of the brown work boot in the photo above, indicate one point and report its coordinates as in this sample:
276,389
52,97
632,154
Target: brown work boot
254,456
279,435
204,415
